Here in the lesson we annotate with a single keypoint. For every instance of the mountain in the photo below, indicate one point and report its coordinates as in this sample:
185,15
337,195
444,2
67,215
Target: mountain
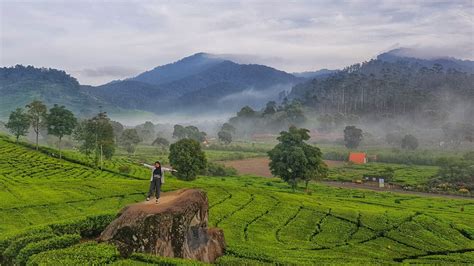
414,56
185,67
394,86
198,82
20,85
314,74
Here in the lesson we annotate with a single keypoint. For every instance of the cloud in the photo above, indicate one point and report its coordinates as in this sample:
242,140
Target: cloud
84,36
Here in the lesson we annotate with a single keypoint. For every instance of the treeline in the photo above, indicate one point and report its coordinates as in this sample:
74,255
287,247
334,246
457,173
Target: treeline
24,73
272,118
379,89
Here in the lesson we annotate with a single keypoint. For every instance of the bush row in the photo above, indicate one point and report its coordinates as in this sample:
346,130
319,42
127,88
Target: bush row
19,247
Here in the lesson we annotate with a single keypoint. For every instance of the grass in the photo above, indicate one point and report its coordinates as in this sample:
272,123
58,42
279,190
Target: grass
405,175
263,220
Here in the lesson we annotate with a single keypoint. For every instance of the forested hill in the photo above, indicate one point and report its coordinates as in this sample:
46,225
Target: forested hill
20,85
198,83
381,88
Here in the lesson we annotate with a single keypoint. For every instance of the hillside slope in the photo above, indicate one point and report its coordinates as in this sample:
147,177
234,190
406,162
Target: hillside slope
175,87
265,222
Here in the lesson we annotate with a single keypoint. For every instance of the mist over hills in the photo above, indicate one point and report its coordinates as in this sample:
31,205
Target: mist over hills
396,81
429,90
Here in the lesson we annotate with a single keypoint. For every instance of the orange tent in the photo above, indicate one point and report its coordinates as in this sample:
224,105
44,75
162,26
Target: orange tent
358,157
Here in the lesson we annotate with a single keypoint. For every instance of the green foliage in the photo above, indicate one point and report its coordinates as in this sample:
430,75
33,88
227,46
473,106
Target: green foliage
294,159
187,158
190,132
224,137
37,113
96,135
89,253
352,137
409,142
60,122
18,123
263,221
216,169
56,242
129,140
160,141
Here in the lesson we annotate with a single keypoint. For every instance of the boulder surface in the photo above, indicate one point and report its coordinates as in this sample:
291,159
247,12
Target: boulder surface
176,227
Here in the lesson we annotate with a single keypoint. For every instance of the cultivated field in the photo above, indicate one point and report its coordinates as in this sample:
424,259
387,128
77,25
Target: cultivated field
51,210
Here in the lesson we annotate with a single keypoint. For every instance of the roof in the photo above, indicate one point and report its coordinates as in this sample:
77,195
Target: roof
357,157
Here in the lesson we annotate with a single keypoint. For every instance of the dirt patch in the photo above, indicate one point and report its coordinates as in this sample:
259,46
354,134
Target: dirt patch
259,166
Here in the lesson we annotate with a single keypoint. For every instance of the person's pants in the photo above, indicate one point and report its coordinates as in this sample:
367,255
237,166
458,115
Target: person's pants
155,186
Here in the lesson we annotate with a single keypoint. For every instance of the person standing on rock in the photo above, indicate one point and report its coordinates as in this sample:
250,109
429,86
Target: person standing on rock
157,178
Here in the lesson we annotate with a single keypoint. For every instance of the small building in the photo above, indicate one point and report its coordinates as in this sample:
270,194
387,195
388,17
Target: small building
358,157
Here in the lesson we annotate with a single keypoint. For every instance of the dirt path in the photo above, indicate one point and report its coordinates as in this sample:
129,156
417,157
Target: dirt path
259,167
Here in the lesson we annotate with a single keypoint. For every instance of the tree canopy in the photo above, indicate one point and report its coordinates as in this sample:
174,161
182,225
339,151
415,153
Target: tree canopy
187,158
292,159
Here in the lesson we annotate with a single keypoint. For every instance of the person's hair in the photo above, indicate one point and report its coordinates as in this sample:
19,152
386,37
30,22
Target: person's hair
157,162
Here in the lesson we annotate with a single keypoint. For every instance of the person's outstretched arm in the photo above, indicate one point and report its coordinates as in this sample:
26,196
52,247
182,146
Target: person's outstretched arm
149,166
168,169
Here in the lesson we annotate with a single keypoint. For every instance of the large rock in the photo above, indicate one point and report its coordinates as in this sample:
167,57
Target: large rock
175,227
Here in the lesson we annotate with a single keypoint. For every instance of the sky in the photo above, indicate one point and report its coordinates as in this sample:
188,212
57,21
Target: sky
100,41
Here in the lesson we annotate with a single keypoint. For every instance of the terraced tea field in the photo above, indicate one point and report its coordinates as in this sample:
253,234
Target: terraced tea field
47,205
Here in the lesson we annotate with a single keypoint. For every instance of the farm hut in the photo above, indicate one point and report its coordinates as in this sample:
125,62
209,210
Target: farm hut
358,157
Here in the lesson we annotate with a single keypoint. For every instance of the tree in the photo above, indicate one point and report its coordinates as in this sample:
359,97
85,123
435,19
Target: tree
96,135
187,158
193,132
246,112
225,137
352,137
129,140
60,122
118,129
179,132
292,158
37,113
146,131
409,142
228,128
160,141
18,123
270,108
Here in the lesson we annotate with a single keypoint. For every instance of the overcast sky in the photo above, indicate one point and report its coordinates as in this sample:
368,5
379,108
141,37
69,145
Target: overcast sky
99,41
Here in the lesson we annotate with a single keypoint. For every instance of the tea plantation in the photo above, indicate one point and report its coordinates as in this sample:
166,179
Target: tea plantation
51,210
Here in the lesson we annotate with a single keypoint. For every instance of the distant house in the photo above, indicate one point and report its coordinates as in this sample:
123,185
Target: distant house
358,157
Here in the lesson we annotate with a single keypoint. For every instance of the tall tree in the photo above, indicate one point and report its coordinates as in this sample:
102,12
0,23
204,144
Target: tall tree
352,137
129,140
18,123
96,135
179,132
292,158
409,142
37,113
225,137
187,158
60,122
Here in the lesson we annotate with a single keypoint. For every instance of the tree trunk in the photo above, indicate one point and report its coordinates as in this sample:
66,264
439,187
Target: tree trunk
59,146
101,152
37,133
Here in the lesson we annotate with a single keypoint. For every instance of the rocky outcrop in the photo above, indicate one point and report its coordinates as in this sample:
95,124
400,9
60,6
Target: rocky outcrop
175,227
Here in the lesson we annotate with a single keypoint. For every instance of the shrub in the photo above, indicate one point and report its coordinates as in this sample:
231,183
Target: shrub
91,253
19,243
87,227
163,261
124,169
56,242
214,169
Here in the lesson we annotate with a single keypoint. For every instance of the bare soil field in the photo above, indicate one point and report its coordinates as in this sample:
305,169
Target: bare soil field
259,166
